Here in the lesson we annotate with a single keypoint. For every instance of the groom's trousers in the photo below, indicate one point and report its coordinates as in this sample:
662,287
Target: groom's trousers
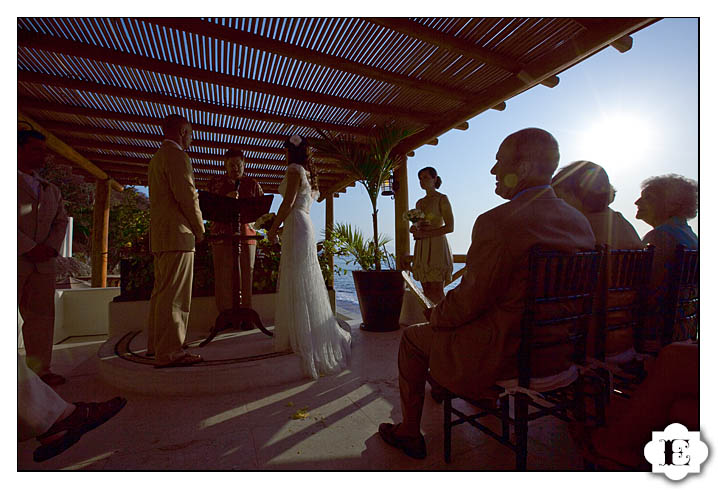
170,304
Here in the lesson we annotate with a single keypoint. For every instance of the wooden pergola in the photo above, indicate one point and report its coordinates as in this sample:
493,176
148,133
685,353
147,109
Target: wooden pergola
100,87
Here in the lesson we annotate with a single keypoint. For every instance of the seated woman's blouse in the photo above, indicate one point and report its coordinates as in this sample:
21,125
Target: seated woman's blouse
612,229
665,238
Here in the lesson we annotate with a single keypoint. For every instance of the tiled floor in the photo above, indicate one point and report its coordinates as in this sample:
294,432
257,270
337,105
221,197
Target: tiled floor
255,430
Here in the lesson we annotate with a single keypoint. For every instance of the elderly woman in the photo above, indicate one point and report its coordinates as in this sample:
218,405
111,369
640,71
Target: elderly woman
585,186
667,202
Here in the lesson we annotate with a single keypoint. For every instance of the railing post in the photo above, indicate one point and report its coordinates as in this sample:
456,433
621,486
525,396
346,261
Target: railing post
100,231
401,206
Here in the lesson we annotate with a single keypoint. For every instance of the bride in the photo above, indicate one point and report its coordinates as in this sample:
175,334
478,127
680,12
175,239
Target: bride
304,320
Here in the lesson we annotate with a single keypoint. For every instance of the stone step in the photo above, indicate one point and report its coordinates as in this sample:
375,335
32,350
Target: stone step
234,361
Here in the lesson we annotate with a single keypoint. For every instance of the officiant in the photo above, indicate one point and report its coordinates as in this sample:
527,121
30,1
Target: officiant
235,184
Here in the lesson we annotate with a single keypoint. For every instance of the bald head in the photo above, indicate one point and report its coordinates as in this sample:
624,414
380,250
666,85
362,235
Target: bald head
177,128
536,146
525,158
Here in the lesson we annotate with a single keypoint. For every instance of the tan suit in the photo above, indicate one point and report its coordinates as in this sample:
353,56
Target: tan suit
41,219
175,220
473,337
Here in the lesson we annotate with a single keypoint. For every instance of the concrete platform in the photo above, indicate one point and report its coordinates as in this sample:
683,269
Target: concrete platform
325,424
232,362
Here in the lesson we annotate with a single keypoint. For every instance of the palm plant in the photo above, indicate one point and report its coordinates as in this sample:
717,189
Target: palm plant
342,239
370,163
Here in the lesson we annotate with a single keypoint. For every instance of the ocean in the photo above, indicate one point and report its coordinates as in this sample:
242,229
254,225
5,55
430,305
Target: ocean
346,294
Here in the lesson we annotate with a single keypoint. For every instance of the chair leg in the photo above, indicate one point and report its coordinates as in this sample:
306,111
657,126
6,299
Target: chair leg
505,417
447,430
521,413
579,407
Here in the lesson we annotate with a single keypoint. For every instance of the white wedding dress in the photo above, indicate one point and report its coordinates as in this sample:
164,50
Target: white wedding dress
303,319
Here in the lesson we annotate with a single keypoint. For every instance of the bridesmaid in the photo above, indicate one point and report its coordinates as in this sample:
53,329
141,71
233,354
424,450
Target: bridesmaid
433,263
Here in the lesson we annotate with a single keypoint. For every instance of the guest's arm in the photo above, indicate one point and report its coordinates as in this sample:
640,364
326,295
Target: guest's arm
181,182
487,264
58,229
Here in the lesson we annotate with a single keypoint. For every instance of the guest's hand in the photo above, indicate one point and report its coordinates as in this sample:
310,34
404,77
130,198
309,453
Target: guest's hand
272,236
233,194
41,253
421,233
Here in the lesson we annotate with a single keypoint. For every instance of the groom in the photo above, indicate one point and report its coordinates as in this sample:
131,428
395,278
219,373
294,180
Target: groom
473,335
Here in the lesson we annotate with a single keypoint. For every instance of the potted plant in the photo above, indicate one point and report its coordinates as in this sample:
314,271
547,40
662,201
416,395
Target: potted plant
370,162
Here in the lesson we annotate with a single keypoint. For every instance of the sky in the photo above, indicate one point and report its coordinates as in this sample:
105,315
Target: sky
634,113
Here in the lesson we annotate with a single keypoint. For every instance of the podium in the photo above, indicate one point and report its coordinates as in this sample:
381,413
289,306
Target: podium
228,210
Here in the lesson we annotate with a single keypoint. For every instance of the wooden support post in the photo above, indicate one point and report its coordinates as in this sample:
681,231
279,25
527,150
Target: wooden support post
100,230
328,224
401,206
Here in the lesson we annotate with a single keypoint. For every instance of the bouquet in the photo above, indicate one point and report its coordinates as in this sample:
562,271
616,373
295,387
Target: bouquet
264,222
414,215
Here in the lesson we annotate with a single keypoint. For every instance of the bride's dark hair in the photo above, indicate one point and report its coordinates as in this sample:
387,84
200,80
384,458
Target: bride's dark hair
298,152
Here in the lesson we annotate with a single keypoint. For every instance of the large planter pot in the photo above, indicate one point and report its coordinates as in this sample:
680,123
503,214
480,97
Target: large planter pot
380,296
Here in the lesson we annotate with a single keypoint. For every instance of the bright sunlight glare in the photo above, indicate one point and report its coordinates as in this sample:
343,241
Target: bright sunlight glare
619,142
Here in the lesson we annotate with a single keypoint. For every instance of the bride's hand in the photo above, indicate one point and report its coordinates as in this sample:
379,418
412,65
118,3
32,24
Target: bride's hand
272,236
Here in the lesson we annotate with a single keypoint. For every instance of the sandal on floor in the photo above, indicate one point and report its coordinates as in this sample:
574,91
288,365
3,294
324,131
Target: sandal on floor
185,360
87,416
414,447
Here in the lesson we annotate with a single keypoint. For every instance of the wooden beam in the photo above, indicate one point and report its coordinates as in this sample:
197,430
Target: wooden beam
55,44
100,231
173,101
450,43
36,104
582,46
69,128
624,44
463,126
252,164
58,146
401,206
500,106
217,31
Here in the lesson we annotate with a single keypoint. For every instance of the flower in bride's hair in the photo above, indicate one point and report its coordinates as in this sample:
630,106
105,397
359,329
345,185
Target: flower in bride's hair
295,139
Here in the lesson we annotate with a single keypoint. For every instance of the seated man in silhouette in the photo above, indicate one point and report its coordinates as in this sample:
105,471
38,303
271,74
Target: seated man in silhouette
473,335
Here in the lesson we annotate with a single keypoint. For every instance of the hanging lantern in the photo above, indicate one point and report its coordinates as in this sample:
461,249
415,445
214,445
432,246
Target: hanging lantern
387,187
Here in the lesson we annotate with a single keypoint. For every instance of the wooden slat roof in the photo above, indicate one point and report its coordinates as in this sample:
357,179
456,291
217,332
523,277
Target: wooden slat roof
103,85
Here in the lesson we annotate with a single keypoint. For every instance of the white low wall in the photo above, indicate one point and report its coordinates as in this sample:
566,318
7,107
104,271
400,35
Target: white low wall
131,316
79,312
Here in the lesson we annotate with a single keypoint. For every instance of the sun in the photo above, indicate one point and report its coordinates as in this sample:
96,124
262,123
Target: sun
618,141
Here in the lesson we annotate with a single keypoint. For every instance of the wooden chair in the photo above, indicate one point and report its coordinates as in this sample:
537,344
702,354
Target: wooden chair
681,313
618,318
558,304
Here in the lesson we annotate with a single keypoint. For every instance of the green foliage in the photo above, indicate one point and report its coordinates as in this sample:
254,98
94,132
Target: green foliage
266,267
129,223
370,162
345,241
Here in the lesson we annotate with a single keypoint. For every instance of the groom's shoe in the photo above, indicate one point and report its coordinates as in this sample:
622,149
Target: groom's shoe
414,447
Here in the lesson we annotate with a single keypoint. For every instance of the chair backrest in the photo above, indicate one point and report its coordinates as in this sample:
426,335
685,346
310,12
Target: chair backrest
559,300
620,299
681,313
